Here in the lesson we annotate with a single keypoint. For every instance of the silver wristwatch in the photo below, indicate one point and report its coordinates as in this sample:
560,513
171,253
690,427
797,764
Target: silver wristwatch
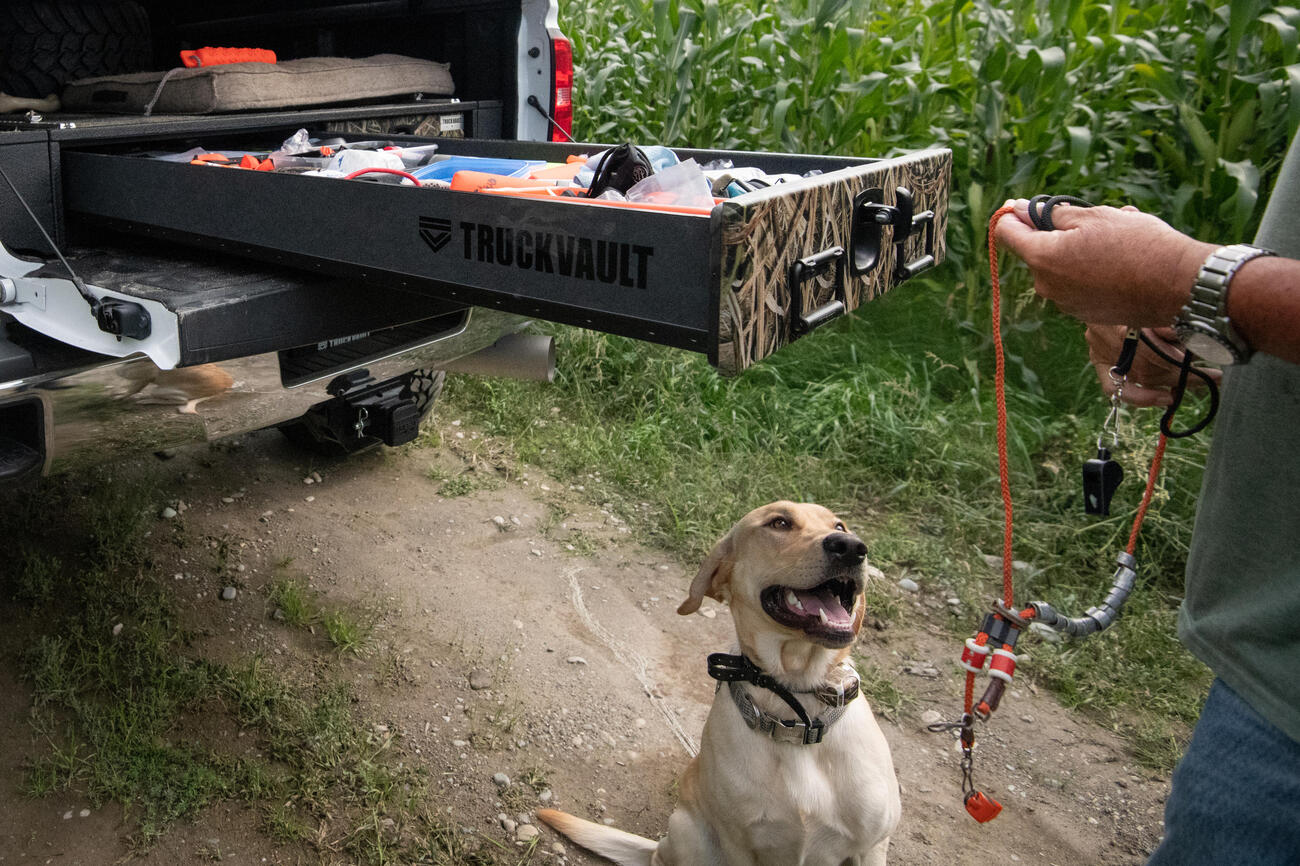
1202,324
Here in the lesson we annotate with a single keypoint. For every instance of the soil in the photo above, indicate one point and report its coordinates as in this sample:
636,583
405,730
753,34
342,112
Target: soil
582,670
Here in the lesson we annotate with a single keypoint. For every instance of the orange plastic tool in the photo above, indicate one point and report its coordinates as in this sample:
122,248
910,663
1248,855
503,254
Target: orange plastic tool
558,172
218,56
478,181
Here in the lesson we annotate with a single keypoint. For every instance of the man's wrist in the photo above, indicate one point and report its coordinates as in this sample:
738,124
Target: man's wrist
1204,325
1191,257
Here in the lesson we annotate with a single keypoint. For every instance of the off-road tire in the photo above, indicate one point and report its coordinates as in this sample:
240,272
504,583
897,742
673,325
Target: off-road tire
44,44
424,386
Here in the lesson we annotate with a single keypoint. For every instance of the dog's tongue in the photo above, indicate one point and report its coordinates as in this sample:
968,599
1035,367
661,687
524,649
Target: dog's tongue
817,601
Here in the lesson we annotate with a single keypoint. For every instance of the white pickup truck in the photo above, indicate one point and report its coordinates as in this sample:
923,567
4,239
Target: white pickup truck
147,303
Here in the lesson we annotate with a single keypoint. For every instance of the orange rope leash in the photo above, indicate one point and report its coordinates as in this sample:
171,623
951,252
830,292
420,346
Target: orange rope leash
988,809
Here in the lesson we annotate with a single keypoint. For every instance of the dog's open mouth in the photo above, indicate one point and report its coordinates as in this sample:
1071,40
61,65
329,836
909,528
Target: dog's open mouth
824,613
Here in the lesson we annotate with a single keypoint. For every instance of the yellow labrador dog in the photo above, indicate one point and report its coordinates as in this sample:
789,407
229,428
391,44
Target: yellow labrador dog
800,780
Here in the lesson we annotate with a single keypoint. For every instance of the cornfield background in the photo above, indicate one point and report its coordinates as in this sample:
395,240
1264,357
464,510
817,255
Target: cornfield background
1182,108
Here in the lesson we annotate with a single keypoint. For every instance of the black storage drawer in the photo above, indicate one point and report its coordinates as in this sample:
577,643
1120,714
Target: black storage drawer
722,283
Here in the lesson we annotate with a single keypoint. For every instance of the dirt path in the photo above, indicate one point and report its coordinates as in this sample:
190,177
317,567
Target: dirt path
498,649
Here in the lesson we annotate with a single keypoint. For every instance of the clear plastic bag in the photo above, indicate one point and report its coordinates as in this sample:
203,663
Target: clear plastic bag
681,184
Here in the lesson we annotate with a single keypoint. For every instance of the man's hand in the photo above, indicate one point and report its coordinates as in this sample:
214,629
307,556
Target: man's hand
1151,377
1105,265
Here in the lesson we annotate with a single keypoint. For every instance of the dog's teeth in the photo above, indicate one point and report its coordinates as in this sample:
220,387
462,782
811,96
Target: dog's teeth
821,614
793,600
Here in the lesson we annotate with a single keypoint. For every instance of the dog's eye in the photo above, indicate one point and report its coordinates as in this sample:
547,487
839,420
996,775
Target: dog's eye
841,527
779,523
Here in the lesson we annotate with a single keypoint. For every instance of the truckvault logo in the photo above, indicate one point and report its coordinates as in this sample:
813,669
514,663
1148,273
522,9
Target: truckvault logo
582,258
435,232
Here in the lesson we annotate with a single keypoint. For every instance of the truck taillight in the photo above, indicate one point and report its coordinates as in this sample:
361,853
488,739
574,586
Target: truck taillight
562,92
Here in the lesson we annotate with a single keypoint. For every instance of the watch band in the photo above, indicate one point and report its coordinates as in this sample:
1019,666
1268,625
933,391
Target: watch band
1203,321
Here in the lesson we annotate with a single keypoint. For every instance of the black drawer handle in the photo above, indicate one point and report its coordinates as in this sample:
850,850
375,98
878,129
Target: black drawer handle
805,269
871,215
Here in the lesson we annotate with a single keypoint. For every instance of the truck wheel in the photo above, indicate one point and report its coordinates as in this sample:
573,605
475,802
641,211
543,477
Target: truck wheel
44,44
313,432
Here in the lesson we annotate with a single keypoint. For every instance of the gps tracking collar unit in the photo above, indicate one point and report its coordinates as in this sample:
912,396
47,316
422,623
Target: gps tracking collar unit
996,639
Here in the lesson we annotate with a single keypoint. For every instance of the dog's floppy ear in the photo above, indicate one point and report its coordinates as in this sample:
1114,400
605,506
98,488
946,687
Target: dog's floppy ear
714,575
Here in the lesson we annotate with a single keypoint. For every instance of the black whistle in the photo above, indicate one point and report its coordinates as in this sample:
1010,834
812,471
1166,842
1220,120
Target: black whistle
1101,475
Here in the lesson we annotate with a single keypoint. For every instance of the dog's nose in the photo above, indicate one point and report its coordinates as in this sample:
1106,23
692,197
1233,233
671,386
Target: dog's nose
844,548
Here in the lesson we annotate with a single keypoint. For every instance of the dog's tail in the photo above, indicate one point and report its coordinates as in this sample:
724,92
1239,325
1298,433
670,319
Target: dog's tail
625,849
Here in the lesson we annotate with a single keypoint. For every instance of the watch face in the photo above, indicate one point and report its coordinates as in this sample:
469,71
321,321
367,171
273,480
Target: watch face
1208,346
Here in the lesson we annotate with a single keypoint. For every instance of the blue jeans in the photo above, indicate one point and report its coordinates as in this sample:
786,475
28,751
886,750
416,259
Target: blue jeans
1235,799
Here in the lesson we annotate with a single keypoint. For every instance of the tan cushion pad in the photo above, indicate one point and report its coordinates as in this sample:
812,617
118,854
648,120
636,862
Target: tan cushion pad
244,86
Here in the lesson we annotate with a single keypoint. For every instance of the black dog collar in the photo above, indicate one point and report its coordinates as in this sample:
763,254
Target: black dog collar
737,669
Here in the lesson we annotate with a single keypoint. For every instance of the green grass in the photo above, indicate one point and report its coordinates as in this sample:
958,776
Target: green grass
294,601
299,606
346,630
140,715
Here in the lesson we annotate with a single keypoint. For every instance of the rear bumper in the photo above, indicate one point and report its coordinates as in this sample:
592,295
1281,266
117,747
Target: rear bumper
104,412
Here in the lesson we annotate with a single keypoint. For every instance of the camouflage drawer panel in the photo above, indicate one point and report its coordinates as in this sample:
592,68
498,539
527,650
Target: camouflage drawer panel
442,125
765,232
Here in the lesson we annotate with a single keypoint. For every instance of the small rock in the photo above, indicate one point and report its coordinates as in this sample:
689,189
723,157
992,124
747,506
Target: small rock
576,660
310,499
229,593
873,573
557,849
545,796
480,679
500,522
84,813
931,717
227,499
67,816
315,476
908,584
307,480
535,552
954,602
502,780
117,629
278,616
708,612
167,513
527,833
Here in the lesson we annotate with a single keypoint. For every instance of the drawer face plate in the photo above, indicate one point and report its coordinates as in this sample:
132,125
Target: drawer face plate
762,239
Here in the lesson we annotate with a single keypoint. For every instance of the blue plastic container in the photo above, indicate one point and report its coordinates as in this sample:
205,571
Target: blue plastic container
444,169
